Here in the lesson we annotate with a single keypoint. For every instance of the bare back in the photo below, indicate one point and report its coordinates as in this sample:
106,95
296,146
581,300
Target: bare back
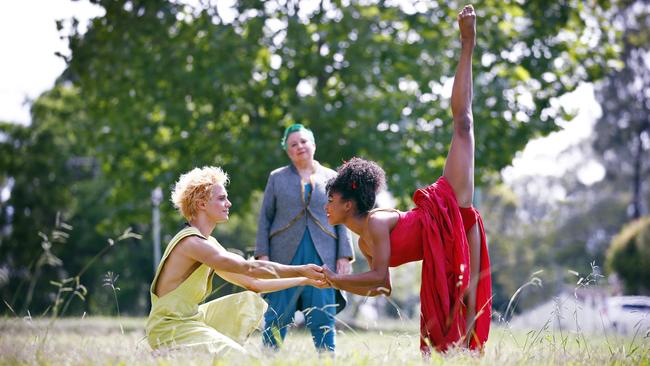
176,269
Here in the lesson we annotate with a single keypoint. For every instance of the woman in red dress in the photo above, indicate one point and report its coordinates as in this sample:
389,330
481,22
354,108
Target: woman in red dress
443,230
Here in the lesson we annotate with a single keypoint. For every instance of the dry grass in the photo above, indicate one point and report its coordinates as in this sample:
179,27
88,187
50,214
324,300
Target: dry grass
100,341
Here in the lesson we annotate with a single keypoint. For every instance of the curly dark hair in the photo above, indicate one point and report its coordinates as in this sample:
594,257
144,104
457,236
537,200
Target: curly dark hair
358,180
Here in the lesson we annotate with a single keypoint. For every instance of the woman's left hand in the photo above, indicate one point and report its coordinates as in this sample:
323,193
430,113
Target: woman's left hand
316,283
343,266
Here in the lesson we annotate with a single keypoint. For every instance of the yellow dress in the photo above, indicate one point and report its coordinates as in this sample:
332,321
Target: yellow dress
220,326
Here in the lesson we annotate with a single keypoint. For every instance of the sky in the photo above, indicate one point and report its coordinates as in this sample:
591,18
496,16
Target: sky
541,155
29,40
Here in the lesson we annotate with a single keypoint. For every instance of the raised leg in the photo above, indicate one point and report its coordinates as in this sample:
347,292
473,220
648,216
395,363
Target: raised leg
459,166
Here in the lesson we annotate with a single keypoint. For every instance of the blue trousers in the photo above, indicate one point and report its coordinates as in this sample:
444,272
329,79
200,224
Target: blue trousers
316,304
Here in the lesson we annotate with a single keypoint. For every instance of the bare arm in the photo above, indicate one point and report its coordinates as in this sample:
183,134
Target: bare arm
220,259
459,166
268,285
375,277
369,291
378,275
366,290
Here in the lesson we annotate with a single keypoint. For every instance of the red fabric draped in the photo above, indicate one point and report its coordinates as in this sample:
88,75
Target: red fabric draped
446,270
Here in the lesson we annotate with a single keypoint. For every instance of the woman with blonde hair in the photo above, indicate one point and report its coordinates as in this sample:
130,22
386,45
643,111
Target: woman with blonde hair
184,277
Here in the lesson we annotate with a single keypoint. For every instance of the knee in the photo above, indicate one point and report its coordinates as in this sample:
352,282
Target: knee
465,201
251,297
463,124
252,302
465,198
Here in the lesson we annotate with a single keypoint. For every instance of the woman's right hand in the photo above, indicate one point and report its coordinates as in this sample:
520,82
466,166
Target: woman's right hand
312,271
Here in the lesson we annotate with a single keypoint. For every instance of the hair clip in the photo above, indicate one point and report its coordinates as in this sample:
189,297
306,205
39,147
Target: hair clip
354,185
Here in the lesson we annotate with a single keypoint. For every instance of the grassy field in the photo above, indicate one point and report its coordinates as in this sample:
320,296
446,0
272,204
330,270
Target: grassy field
103,341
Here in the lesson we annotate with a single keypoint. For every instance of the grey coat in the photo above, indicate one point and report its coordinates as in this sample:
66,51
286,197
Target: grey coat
285,215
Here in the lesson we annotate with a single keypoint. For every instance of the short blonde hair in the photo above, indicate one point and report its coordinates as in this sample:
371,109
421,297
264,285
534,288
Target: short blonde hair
196,186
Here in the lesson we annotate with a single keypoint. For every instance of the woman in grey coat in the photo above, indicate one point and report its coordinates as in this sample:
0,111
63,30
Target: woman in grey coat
293,229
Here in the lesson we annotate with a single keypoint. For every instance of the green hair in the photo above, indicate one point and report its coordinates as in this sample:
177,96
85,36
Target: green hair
295,128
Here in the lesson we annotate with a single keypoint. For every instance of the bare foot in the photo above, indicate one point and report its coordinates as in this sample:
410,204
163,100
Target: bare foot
467,25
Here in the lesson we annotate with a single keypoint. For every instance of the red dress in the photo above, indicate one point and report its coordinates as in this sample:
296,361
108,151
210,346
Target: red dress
435,232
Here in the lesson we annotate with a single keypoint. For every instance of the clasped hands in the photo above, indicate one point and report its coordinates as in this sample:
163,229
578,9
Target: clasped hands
322,276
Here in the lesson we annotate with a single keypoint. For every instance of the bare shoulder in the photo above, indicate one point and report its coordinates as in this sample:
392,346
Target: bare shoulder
193,240
192,243
382,221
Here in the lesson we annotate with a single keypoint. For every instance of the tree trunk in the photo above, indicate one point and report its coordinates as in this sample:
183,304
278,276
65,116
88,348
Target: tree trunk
636,200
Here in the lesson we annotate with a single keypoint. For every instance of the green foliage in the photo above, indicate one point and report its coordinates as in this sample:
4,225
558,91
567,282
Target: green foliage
37,162
559,224
553,224
171,87
514,247
629,255
623,131
54,216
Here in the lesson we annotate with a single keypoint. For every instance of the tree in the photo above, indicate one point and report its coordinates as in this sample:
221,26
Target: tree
552,226
38,161
623,131
568,233
54,220
171,86
629,256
